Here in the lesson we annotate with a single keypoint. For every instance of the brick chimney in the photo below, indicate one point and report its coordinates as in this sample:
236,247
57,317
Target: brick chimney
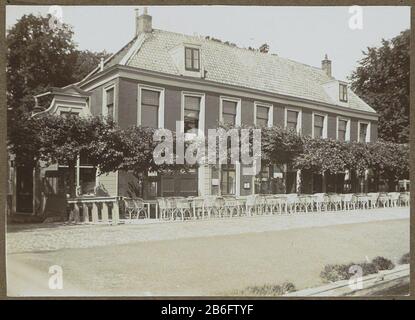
143,23
326,65
264,48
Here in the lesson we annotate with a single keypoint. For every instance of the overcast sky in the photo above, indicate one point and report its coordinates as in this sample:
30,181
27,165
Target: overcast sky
303,34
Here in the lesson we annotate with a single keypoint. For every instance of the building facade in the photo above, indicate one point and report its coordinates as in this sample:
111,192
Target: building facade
162,77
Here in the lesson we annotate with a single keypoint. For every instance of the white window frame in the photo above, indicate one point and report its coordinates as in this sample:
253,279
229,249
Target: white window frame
367,133
201,111
270,112
104,110
161,104
325,123
339,118
238,109
299,118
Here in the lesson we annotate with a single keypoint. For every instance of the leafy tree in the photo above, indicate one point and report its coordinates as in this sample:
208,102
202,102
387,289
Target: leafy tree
280,146
323,155
39,58
86,62
382,80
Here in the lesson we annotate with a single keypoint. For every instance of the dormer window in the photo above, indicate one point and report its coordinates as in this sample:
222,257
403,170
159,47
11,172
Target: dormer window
343,92
192,59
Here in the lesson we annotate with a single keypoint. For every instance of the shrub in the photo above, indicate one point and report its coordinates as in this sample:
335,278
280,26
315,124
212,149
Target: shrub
268,290
336,272
368,268
405,259
382,263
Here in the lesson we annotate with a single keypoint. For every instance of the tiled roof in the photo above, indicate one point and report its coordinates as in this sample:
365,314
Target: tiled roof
228,64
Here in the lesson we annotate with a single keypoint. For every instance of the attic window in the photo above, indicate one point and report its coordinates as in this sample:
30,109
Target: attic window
343,92
192,59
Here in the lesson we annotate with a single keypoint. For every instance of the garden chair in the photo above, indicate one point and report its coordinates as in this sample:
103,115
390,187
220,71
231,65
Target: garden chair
171,207
362,201
231,206
349,201
373,199
209,205
306,203
404,199
129,208
250,204
261,205
140,208
383,200
292,202
321,201
198,207
183,208
394,198
335,202
220,207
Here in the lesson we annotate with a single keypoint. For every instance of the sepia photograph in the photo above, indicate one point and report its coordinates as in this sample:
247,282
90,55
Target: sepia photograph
207,151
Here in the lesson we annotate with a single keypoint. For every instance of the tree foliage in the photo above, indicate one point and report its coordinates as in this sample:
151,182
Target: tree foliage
382,80
39,58
280,146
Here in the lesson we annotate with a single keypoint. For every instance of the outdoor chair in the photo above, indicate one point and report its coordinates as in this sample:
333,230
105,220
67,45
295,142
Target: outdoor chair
335,202
140,208
250,205
394,198
261,204
183,208
306,203
171,207
162,206
321,201
129,208
383,200
210,205
349,201
198,207
404,199
231,206
362,201
271,204
220,207
292,203
373,199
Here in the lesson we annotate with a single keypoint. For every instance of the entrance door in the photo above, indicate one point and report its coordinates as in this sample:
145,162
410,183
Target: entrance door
24,189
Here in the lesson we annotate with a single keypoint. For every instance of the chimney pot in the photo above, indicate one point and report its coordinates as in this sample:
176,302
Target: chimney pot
143,23
326,65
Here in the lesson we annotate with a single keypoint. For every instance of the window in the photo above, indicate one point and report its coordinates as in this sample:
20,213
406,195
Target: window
292,120
262,116
229,110
192,59
150,102
319,126
363,132
109,103
343,130
191,112
228,179
343,92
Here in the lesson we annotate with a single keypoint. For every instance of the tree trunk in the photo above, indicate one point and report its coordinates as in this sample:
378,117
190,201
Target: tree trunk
72,186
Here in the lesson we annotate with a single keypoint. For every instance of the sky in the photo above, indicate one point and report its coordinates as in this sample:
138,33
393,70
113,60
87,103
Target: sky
303,34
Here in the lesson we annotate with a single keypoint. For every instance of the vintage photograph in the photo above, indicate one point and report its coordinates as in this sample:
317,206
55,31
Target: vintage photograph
208,151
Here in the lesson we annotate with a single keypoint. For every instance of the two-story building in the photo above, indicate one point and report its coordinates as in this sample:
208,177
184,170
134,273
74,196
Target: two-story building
161,77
